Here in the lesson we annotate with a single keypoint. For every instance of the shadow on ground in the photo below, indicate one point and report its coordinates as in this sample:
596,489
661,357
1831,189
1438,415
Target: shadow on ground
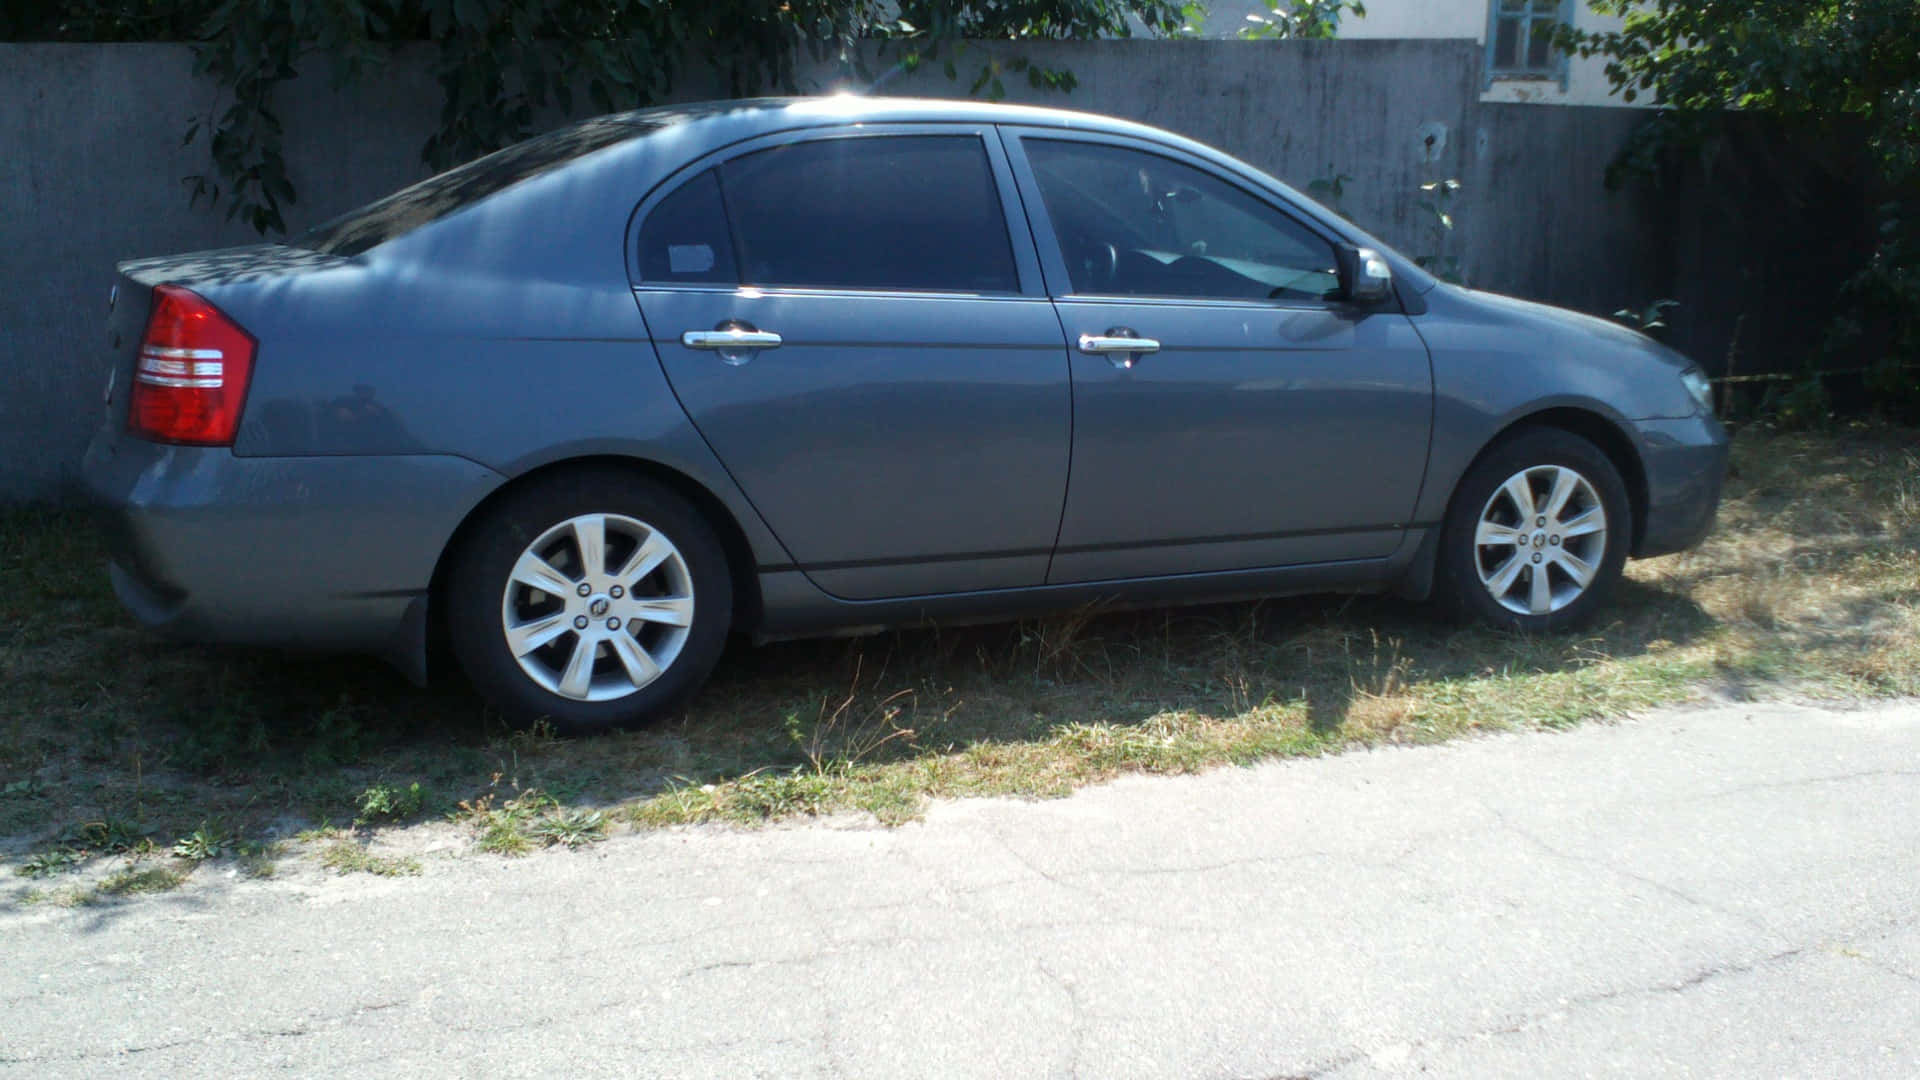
156,738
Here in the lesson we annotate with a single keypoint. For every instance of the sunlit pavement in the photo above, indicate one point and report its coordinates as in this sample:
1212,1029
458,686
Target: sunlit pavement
1729,891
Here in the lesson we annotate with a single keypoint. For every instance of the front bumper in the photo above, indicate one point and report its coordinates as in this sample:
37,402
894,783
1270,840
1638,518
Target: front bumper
306,552
1686,463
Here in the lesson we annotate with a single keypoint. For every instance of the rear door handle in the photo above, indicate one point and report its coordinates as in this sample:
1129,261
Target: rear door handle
735,342
1119,345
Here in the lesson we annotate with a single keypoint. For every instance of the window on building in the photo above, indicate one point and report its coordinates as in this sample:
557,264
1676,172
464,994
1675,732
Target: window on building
1520,39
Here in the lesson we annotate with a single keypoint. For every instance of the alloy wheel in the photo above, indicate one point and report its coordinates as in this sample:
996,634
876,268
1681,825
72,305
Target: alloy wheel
597,607
1540,539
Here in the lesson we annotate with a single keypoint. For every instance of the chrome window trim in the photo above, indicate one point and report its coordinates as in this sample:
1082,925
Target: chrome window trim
757,292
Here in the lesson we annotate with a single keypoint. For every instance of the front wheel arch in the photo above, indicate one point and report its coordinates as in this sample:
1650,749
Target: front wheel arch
1417,582
1596,429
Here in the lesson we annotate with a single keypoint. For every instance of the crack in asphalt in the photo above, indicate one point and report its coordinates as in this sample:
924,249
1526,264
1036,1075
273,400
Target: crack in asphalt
1577,1002
1076,1013
1631,875
1777,785
1021,858
1352,858
1529,1021
323,1023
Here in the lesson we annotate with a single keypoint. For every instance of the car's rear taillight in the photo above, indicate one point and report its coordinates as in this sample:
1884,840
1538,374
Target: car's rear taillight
192,375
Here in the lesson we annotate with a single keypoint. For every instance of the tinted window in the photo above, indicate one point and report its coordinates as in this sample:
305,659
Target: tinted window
684,239
1130,223
436,197
880,212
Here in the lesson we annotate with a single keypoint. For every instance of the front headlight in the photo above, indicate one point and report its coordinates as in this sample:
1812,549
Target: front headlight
1696,383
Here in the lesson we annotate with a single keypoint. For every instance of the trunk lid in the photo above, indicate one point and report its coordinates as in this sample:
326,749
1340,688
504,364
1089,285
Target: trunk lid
205,272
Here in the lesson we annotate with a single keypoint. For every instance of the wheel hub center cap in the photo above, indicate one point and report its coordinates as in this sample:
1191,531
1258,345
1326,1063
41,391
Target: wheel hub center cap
598,606
1540,539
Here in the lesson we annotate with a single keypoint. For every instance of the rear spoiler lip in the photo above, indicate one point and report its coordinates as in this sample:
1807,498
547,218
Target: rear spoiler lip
224,266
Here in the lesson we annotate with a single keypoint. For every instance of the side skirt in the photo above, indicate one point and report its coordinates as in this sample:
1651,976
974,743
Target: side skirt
795,608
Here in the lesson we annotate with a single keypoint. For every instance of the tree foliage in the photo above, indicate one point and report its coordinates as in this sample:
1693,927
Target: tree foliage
1820,65
1311,19
507,67
102,20
1813,59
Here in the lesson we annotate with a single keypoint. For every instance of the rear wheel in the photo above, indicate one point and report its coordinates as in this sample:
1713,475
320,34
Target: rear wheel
1537,533
593,599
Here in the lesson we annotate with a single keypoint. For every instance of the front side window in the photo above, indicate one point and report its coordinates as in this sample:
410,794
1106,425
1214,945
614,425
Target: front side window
1132,223
886,212
1520,41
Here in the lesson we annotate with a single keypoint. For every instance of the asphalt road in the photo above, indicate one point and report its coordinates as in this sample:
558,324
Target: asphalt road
1720,892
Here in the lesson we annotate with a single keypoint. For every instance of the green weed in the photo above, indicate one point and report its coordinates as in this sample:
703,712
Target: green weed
207,841
49,863
382,802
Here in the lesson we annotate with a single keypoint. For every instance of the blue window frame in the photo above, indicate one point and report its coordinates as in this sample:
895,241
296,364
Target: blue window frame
1520,39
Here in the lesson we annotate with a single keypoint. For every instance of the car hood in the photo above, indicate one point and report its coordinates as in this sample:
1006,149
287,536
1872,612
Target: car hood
1561,323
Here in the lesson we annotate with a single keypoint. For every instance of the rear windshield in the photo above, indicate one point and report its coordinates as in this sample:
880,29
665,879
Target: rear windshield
436,197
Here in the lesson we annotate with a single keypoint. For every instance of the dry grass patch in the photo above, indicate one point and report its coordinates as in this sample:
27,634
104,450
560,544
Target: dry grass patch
348,856
141,880
1811,584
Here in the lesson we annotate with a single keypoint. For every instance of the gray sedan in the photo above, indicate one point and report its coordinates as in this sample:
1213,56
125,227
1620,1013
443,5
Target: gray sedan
573,413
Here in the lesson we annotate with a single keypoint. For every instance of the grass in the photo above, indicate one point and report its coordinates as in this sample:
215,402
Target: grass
140,880
346,856
116,740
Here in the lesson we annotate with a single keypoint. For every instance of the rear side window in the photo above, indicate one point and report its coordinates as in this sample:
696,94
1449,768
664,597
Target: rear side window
891,212
684,240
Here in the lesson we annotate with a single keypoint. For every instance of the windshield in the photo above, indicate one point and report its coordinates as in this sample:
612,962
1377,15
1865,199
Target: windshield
436,197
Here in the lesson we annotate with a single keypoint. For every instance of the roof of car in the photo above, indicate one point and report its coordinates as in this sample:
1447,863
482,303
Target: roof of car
772,113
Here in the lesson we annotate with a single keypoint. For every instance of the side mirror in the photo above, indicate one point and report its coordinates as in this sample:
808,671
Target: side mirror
1365,277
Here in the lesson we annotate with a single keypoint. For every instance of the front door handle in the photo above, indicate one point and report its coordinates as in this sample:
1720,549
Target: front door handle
736,342
1119,345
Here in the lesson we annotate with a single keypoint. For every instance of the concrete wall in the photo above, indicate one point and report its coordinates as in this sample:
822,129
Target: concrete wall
91,172
1538,220
1301,110
91,168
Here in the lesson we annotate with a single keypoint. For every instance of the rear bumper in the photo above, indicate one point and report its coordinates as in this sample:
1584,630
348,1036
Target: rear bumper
307,552
1686,463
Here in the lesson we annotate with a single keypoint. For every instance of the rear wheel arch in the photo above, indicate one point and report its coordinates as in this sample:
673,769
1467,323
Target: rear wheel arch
733,540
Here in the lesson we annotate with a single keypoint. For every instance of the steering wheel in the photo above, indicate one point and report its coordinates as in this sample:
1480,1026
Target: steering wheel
1112,269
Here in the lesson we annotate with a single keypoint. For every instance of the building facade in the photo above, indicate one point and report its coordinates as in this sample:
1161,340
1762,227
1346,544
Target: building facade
1514,35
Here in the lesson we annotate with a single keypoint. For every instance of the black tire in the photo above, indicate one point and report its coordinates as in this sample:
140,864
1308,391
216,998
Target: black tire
1458,580
479,606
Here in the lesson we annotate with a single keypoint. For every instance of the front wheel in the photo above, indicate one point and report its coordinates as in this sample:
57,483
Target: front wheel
1536,535
594,599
